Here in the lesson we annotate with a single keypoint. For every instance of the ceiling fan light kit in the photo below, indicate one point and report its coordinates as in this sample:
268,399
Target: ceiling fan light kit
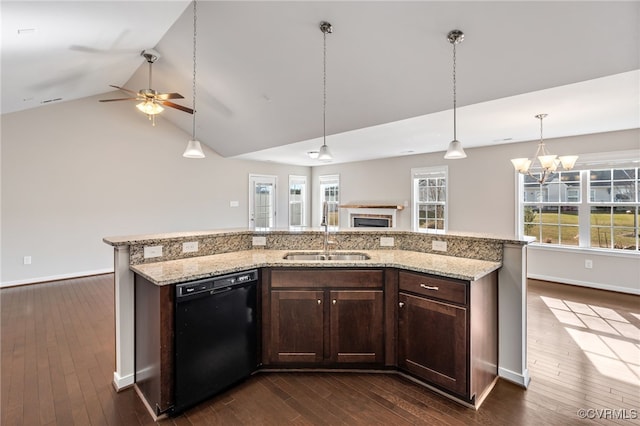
150,101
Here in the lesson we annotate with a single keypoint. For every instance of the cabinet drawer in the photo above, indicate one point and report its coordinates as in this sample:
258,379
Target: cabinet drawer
332,278
440,288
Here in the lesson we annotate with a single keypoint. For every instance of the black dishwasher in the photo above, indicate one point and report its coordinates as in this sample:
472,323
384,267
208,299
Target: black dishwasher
215,336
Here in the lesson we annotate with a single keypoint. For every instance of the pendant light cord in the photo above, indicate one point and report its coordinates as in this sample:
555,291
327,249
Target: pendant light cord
454,92
324,85
195,19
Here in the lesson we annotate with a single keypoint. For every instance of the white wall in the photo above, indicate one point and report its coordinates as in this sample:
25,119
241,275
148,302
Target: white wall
78,171
482,197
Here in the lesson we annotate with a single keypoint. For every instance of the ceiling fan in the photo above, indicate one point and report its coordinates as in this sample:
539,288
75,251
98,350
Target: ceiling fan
150,100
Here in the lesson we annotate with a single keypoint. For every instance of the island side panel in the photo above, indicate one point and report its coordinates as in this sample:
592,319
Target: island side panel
512,314
124,375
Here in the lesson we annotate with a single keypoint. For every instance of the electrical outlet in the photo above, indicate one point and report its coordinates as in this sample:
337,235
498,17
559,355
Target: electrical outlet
234,203
588,263
190,247
259,241
438,245
387,242
27,260
152,251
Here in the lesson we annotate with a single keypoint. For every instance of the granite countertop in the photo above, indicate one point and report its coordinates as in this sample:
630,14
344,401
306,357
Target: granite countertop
181,270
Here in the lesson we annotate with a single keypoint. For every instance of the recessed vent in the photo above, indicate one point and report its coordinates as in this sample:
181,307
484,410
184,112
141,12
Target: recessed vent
50,100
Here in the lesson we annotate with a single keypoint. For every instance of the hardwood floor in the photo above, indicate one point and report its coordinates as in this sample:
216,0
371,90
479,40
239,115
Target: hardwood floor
58,359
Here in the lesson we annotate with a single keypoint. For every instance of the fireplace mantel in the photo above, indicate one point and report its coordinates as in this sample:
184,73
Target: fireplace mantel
372,206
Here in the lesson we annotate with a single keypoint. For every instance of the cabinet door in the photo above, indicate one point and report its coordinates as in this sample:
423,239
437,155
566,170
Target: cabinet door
432,341
296,326
357,326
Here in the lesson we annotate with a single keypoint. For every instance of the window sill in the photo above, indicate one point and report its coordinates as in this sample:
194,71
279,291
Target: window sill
632,254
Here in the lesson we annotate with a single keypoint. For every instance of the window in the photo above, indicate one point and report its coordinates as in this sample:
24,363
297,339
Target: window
429,199
297,200
330,192
262,201
596,208
614,203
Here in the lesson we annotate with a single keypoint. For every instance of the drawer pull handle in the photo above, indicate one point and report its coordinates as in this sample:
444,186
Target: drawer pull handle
430,287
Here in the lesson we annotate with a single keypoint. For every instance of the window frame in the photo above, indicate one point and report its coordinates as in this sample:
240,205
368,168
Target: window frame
324,180
435,172
588,164
298,180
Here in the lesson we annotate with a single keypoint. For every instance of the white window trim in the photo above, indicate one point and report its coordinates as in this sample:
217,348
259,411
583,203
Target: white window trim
417,172
586,162
323,179
303,180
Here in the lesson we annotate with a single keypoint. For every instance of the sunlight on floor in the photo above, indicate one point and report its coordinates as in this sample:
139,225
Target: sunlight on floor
609,340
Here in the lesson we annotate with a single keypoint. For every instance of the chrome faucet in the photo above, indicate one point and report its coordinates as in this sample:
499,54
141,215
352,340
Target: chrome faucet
325,222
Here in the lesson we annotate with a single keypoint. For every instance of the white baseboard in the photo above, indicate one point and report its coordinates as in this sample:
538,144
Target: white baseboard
121,383
55,277
519,379
598,286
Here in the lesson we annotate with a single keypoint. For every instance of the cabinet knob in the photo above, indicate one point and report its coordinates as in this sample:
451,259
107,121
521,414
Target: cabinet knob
401,304
319,301
334,301
430,287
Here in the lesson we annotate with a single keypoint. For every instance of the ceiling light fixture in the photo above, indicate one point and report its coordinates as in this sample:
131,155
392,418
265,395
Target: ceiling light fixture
324,154
194,149
548,162
455,150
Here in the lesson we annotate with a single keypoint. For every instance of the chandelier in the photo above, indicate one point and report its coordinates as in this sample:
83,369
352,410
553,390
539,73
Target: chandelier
549,163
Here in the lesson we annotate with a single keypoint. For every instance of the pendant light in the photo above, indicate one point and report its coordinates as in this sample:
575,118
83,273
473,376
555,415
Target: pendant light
548,162
455,150
194,149
323,153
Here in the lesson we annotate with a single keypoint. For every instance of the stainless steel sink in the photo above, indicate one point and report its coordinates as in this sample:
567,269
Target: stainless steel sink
321,256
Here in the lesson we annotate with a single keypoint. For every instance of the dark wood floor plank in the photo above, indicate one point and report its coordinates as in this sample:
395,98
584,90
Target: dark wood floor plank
57,365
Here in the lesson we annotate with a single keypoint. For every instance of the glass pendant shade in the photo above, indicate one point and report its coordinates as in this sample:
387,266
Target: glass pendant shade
324,154
547,161
455,151
150,107
521,164
568,161
194,150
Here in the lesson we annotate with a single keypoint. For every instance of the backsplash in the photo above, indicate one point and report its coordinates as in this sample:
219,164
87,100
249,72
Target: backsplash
470,247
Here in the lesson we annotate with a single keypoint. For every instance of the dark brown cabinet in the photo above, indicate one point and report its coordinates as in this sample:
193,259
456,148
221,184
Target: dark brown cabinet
447,332
323,317
297,326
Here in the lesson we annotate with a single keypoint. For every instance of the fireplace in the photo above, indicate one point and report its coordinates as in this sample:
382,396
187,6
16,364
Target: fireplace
371,221
371,216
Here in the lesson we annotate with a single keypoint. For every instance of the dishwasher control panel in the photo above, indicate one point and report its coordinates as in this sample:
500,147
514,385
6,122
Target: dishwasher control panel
211,284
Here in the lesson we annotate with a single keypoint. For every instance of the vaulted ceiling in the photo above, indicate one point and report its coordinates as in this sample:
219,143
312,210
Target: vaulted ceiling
389,65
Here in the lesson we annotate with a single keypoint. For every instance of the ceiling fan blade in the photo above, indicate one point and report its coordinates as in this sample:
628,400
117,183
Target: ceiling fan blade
163,96
124,89
119,99
176,106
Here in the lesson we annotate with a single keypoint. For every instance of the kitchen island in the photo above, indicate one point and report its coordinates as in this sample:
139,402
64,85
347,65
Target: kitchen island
468,259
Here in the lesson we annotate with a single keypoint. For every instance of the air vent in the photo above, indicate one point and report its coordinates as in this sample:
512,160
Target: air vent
50,100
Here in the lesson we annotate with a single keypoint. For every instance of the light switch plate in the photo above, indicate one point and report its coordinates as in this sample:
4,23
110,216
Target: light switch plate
190,247
152,251
259,241
234,203
439,245
387,242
